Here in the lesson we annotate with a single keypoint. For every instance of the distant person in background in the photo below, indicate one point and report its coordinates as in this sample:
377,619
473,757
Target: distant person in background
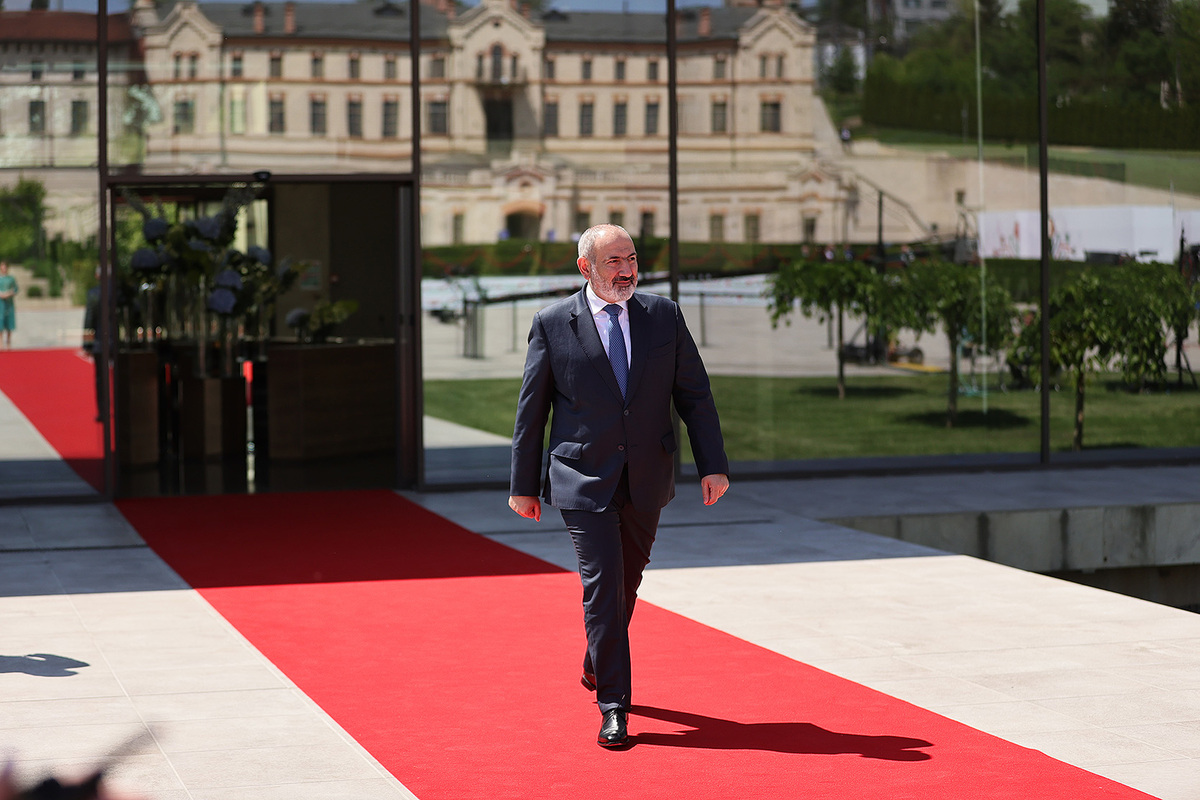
8,309
91,324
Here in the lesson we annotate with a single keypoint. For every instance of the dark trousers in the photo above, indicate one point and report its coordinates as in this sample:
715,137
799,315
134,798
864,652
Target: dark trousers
613,548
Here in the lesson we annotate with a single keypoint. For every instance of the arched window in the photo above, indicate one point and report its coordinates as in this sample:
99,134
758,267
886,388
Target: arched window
497,62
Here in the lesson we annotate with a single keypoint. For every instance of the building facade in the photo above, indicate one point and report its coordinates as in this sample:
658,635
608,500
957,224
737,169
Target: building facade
531,126
49,112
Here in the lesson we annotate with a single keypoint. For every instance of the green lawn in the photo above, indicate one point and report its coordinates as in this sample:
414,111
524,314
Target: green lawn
801,418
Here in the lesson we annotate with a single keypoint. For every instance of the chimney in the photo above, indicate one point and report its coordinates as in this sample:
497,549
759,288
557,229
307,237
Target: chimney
145,14
289,17
259,21
705,21
525,10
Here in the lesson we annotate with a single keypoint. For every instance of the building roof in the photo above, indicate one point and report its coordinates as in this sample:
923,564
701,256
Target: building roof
602,26
378,20
390,20
60,26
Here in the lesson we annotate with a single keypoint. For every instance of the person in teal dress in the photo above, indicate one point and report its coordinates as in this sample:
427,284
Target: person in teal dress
8,309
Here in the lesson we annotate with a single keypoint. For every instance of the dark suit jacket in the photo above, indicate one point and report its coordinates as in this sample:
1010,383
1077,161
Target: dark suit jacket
593,431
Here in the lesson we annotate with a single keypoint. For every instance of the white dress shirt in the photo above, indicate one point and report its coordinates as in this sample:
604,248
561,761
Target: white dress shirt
603,320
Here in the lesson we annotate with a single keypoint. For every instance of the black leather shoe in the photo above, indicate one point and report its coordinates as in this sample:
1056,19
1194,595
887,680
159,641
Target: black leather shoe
613,732
589,681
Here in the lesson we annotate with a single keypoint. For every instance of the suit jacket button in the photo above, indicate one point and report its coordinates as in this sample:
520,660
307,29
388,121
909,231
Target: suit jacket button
627,412
620,447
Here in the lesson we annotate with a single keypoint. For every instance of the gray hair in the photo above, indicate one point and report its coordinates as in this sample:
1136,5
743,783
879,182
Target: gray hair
587,241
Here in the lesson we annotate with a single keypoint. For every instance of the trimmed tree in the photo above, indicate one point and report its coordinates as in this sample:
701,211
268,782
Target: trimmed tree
826,290
949,294
1082,339
1152,303
1140,314
22,209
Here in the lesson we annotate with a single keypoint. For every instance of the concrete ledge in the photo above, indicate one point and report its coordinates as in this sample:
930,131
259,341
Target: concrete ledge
1053,540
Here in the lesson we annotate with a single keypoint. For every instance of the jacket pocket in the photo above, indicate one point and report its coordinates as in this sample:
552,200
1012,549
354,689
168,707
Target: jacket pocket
572,450
668,442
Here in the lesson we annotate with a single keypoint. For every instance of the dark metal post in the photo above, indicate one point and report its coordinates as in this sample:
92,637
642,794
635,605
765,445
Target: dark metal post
410,395
672,153
1044,196
673,181
103,349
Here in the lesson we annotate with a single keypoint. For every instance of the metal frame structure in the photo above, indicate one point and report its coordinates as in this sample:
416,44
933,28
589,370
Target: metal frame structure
410,466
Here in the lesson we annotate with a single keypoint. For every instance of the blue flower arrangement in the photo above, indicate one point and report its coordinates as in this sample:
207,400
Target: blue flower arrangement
199,253
188,276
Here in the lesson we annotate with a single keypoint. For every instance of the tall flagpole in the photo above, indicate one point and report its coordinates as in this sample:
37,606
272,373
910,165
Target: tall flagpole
1044,202
979,212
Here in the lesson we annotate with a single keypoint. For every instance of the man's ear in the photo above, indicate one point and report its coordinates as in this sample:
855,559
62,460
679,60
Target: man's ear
582,263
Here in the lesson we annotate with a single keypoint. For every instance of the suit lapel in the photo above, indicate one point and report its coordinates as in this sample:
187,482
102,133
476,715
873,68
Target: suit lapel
585,331
639,341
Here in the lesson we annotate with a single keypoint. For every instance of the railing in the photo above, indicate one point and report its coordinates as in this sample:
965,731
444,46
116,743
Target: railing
505,76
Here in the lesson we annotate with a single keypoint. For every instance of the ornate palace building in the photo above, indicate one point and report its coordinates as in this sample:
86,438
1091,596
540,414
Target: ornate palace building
532,125
49,112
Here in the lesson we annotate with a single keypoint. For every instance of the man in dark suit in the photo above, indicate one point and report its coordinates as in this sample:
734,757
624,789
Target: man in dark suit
605,367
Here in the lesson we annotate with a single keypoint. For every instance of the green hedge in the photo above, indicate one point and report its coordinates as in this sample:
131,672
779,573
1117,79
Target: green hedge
511,257
1086,123
1022,277
558,258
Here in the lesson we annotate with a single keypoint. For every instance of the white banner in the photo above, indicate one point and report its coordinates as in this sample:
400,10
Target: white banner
1147,233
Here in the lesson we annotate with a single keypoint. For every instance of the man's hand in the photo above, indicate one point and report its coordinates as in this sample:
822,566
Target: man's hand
529,507
713,486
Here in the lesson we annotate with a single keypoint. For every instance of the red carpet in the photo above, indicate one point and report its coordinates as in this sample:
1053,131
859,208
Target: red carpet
454,660
55,390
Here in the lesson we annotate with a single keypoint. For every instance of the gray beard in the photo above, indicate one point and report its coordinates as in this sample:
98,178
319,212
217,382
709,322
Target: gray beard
613,294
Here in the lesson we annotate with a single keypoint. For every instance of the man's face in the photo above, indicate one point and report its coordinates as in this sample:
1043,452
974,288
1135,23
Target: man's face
613,276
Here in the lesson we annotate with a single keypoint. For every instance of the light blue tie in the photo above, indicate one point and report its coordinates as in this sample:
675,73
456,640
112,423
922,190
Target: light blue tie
616,347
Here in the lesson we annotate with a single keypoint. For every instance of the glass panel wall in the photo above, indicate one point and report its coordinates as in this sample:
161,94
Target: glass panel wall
876,169
537,125
1124,227
257,302
49,119
827,260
